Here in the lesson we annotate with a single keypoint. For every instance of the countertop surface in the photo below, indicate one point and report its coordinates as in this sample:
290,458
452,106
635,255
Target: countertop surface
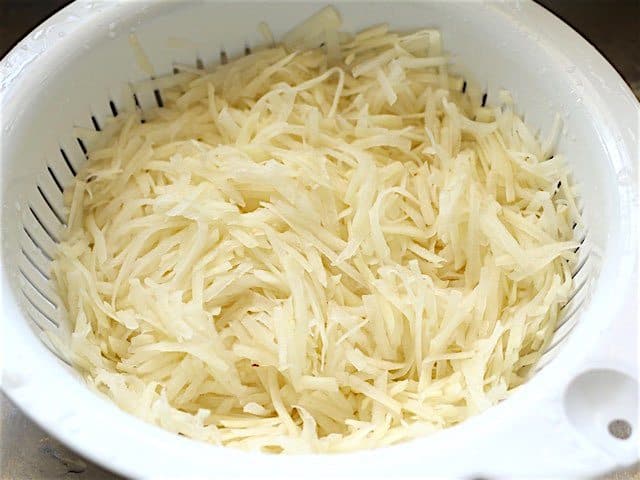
26,452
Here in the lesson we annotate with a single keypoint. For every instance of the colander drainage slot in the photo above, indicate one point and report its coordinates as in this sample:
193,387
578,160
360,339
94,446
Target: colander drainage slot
44,227
464,86
484,99
223,57
82,146
37,245
96,125
558,338
66,160
136,100
113,108
34,264
37,308
55,179
53,210
199,64
580,266
37,289
575,309
247,50
156,93
576,290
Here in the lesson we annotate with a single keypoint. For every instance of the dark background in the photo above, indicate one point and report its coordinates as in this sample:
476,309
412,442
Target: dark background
613,26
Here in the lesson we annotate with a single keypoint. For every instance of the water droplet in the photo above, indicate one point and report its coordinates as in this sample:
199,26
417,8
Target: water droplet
38,34
14,380
624,177
60,34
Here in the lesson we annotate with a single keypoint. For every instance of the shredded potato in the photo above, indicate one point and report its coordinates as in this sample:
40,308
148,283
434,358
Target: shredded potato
321,246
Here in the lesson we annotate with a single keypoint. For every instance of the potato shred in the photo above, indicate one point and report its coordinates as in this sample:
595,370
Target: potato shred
324,245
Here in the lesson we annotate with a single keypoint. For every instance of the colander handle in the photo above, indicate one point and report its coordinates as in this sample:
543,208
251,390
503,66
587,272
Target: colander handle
581,420
592,424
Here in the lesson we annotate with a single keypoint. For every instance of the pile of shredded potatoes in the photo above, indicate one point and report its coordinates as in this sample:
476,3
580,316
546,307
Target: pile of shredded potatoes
315,249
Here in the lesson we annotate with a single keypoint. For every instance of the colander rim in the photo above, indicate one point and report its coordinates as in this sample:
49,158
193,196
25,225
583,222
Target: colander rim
30,395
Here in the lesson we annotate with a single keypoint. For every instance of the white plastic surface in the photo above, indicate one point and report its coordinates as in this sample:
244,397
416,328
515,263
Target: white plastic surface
597,398
72,65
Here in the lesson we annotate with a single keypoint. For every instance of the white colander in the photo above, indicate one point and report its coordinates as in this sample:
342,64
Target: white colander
570,419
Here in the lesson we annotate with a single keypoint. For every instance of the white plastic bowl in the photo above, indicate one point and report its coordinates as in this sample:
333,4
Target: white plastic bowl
73,65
